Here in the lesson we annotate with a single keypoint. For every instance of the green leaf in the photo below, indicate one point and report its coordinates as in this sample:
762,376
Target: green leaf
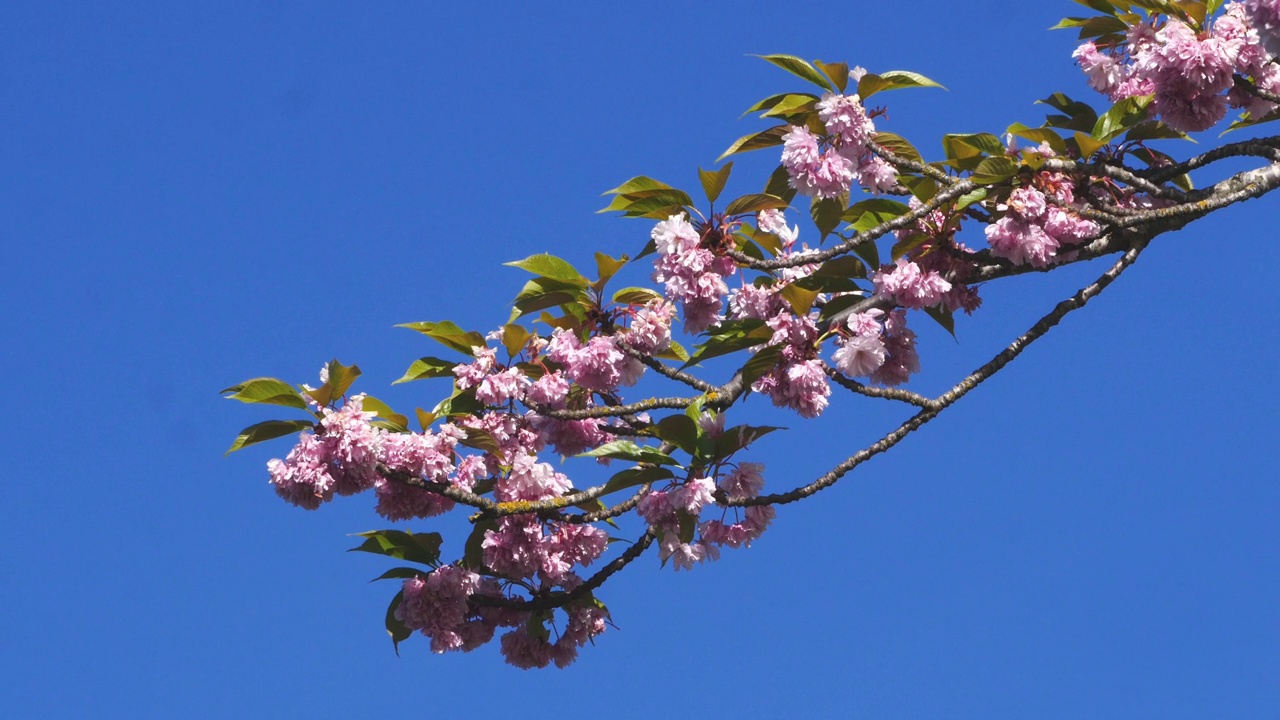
1088,146
738,437
269,391
943,317
400,573
514,338
774,100
1040,135
1154,130
639,183
908,243
635,296
835,276
606,267
1122,116
636,476
461,402
869,253
425,418
771,137
760,363
923,188
544,265
779,185
449,335
396,629
423,548
755,203
1079,116
799,68
688,525
374,405
340,379
679,430
675,351
713,181
541,293
995,170
427,367
972,145
473,554
970,198
268,430
898,146
628,450
826,214
837,304
800,299
481,440
838,73
871,83
867,214
731,336
794,108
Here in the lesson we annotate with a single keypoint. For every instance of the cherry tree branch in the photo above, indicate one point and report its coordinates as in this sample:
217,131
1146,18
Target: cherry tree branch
942,402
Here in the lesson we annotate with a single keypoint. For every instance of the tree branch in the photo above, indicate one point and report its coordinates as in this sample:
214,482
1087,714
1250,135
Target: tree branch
942,402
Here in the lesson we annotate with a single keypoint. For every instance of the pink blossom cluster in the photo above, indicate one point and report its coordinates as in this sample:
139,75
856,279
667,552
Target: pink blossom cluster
526,650
942,256
878,346
650,329
596,365
861,351
661,509
692,275
798,380
745,481
525,547
440,606
1032,230
1264,17
909,286
1189,74
828,173
342,455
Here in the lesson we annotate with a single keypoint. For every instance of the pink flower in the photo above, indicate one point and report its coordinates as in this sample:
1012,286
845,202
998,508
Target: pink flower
525,651
846,119
812,172
901,360
908,286
1264,16
438,606
693,495
550,390
531,480
860,355
876,175
650,330
692,276
1105,74
572,437
1021,242
471,374
745,481
774,221
498,388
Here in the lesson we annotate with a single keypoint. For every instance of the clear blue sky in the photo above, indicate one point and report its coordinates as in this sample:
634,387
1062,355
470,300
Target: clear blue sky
194,195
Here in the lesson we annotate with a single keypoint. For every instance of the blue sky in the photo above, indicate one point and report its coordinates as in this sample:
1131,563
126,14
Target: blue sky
192,196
